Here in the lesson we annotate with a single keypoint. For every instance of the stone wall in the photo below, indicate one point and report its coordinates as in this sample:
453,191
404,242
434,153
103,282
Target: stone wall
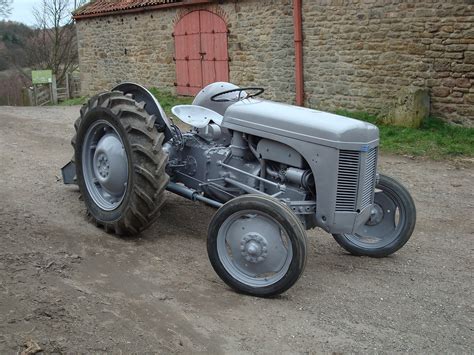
140,47
261,46
135,47
358,54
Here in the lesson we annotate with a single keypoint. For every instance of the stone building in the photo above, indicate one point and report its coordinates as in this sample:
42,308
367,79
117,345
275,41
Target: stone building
356,54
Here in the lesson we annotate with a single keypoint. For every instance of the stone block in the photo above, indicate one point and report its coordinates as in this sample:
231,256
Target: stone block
469,98
469,57
456,47
464,68
450,82
463,83
442,65
410,109
440,91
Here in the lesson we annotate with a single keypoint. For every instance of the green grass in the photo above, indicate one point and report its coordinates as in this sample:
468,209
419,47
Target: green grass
167,100
435,138
75,101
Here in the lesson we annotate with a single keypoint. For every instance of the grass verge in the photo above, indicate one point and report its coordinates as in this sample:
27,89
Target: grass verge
167,100
75,101
435,138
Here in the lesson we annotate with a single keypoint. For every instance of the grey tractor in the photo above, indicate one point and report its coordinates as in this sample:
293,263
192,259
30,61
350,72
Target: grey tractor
271,170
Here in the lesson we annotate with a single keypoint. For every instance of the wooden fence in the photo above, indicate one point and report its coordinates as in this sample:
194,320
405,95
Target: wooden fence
52,93
42,95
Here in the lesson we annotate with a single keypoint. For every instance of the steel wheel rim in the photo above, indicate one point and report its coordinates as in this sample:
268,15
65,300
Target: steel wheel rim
104,165
385,224
254,248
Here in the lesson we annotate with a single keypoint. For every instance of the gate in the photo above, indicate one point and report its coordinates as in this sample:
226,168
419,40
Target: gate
200,39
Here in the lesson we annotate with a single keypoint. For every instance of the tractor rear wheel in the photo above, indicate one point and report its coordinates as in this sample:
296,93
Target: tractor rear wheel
120,163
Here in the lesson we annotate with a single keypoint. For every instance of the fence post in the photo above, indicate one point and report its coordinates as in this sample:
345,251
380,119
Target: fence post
25,97
68,94
54,91
35,95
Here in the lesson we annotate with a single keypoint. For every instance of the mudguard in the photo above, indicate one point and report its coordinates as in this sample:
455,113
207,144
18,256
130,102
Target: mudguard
152,106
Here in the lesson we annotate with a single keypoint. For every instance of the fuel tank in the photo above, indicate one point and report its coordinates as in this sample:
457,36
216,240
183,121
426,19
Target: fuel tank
253,116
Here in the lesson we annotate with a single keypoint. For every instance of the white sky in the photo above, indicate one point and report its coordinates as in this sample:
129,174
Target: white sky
23,11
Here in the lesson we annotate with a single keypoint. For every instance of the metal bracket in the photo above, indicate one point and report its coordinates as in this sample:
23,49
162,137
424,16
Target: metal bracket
301,207
69,173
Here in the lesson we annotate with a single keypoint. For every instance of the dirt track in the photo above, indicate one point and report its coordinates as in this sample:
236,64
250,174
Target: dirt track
71,287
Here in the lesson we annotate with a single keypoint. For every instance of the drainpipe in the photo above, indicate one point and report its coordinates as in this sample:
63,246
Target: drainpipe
298,31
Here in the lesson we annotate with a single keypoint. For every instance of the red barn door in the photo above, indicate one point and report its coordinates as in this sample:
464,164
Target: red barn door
200,39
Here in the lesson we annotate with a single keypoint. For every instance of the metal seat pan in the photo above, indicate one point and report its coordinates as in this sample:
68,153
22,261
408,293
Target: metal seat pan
196,116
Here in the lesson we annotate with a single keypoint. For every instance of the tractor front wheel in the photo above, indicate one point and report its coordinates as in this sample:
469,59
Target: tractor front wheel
390,226
257,245
120,164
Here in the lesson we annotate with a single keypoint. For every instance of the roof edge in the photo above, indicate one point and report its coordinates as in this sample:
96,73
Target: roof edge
141,9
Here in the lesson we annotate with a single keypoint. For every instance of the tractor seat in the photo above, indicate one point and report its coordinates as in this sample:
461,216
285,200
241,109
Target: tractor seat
196,116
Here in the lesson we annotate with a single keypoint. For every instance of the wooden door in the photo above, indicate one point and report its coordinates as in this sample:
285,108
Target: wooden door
200,51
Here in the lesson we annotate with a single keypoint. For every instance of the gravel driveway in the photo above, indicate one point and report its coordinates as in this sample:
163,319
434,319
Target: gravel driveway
70,287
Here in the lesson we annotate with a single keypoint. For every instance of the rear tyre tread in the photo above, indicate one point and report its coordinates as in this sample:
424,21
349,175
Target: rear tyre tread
140,149
144,196
134,128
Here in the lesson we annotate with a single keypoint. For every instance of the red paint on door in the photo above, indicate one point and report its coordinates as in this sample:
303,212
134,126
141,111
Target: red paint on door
200,51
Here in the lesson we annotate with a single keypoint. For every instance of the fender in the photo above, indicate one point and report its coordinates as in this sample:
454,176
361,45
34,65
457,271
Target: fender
152,106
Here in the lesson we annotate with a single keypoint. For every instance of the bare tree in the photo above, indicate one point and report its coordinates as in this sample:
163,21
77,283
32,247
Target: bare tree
5,8
54,44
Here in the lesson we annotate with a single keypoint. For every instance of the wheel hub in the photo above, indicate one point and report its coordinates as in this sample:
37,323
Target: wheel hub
103,165
253,247
376,215
110,165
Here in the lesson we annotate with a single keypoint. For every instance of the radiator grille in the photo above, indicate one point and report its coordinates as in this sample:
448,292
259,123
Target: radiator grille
369,179
347,180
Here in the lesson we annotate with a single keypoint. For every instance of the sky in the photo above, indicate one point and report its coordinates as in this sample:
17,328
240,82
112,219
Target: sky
22,11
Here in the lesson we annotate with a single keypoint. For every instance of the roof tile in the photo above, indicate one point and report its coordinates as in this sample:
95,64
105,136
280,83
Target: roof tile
99,7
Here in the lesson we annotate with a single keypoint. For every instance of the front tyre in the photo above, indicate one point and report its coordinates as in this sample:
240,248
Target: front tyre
120,164
257,245
390,226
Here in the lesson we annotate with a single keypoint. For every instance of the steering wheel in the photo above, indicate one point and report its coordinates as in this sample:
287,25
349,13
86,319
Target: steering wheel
256,92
